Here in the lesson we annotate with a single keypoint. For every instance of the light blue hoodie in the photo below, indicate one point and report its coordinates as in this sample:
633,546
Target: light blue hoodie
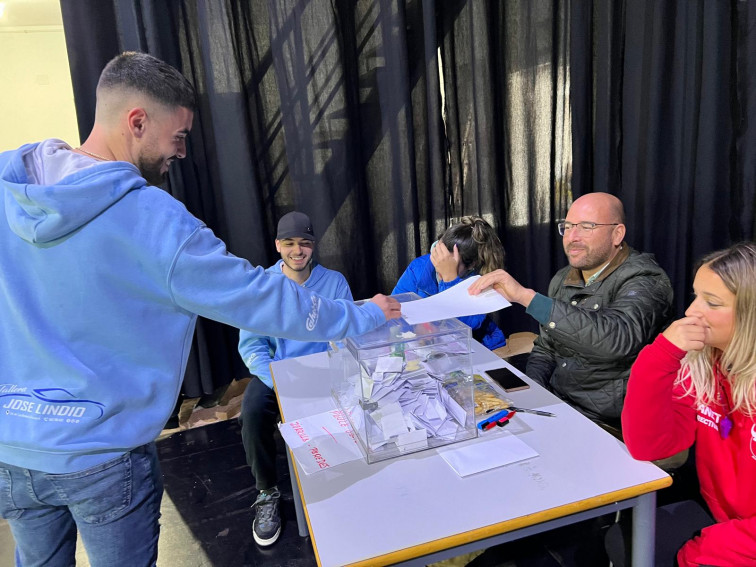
258,351
102,280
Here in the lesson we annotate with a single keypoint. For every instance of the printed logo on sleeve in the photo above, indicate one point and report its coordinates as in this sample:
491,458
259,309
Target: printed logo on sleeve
312,317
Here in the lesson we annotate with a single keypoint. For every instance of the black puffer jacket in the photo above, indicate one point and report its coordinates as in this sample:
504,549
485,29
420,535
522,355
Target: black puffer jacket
593,334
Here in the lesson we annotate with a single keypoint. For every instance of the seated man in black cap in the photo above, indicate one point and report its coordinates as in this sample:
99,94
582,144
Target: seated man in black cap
295,241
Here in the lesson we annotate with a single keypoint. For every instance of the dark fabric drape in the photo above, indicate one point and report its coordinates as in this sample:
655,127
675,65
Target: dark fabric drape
385,120
322,106
742,224
662,94
313,105
88,53
508,125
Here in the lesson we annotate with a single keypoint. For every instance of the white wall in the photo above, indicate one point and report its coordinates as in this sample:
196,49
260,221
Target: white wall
36,97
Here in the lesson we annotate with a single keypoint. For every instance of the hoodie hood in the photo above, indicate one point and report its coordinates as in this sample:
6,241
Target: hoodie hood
318,273
39,209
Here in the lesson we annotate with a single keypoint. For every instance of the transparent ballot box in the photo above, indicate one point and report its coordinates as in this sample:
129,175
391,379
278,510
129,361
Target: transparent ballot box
406,388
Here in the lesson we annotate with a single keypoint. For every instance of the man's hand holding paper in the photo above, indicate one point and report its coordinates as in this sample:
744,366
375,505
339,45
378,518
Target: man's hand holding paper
504,284
454,302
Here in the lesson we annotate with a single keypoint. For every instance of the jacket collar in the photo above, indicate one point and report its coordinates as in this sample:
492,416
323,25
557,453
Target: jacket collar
575,276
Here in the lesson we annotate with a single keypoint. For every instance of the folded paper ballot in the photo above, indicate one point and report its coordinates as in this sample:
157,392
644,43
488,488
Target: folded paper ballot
474,457
409,401
321,441
453,302
405,383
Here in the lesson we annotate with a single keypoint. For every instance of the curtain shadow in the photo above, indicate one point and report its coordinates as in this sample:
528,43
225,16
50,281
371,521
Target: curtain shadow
663,99
506,85
386,120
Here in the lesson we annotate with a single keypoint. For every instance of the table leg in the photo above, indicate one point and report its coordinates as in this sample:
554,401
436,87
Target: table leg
301,520
644,530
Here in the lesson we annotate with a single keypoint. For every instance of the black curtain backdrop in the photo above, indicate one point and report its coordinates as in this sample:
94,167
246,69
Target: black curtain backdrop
322,106
506,87
663,110
387,120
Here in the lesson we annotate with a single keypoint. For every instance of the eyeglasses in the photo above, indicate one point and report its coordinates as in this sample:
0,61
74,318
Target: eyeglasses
584,227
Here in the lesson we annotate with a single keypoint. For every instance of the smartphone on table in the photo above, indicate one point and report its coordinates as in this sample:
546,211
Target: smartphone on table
507,379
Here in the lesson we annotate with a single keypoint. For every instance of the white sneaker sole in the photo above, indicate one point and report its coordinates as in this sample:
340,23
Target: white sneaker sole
265,542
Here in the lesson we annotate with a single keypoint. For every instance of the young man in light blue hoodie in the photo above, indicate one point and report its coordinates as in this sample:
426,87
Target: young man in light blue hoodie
104,276
295,241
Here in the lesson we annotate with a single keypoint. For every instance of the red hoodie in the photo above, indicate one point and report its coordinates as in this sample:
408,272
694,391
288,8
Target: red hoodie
659,420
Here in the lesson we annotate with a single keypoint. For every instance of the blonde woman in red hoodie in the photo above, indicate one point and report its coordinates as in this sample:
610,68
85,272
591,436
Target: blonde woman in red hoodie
696,384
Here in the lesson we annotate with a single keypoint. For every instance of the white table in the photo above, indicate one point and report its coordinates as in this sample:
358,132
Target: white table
415,509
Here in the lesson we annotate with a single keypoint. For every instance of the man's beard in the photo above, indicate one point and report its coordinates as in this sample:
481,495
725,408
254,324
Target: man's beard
594,256
150,170
295,268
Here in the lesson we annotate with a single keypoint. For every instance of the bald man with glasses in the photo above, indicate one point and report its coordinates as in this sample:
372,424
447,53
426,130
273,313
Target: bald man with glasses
600,311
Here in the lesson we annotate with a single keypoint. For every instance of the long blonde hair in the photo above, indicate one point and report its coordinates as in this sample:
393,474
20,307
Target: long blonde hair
479,247
736,266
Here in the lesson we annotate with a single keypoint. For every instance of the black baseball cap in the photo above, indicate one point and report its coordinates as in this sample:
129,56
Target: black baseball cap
295,225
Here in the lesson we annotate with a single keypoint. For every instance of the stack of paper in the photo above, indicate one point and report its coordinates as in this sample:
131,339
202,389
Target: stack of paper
483,455
409,407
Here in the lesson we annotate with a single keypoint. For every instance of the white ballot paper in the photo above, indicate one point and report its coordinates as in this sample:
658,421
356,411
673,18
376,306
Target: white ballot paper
454,302
321,441
480,456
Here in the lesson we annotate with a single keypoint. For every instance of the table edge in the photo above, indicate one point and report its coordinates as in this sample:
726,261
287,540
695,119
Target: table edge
509,525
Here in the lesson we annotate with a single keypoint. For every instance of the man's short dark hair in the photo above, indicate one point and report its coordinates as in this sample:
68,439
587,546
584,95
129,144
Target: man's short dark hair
149,75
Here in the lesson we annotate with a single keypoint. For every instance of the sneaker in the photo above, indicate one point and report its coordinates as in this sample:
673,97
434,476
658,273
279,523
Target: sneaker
212,399
267,525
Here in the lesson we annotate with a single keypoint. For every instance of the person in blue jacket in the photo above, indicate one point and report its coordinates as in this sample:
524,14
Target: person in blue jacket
295,241
103,277
466,248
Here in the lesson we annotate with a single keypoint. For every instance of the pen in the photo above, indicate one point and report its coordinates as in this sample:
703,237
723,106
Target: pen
498,415
486,425
504,420
500,419
533,411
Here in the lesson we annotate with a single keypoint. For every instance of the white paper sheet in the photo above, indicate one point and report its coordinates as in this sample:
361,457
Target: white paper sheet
454,302
389,364
321,441
503,449
412,441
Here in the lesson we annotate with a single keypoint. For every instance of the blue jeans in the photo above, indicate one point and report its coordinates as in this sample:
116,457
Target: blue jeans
115,506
